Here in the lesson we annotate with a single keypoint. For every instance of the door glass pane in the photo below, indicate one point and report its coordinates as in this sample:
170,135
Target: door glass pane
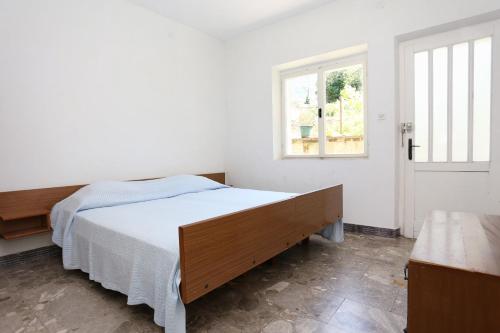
482,99
440,105
421,69
301,103
460,93
344,111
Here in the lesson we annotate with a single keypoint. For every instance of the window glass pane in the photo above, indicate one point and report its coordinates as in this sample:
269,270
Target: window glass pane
301,107
460,93
440,105
344,110
421,68
482,99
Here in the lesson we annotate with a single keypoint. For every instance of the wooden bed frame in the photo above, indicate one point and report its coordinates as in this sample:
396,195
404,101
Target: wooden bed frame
217,250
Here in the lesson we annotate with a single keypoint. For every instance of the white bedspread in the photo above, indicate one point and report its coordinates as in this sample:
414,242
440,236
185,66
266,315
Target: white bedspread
133,247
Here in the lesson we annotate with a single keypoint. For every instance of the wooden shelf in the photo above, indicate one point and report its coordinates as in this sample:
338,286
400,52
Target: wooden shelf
25,232
22,214
38,222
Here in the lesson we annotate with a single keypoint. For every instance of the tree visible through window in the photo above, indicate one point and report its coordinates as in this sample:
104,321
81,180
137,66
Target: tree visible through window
344,108
328,122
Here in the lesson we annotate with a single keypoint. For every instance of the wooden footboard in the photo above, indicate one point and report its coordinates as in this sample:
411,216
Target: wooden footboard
215,251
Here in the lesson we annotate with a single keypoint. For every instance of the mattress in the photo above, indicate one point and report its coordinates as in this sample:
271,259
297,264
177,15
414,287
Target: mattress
156,222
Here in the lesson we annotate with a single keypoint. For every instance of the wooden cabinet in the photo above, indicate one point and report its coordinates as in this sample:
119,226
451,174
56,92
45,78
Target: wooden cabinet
454,275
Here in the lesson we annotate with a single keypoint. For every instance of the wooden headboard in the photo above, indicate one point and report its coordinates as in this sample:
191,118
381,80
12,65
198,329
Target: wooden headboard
25,212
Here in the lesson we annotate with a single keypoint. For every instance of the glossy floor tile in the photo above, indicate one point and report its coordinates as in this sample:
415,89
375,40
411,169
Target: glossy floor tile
356,286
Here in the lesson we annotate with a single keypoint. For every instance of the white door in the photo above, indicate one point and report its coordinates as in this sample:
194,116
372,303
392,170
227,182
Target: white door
449,91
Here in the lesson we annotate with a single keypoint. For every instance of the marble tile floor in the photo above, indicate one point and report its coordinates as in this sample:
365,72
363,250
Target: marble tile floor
322,287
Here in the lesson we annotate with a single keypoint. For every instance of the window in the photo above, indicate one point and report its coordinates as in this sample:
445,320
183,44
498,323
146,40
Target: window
452,91
324,109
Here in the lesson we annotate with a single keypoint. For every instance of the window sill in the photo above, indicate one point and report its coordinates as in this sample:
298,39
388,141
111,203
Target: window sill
336,156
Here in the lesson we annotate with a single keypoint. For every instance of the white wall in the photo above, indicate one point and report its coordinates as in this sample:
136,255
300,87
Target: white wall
370,184
106,89
93,90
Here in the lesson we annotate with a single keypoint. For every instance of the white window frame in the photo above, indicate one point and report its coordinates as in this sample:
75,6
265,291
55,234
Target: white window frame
321,68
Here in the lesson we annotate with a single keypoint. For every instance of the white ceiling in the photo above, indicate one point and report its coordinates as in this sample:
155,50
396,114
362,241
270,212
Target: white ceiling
227,18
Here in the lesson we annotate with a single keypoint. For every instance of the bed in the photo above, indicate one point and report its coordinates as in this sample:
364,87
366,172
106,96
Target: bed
167,242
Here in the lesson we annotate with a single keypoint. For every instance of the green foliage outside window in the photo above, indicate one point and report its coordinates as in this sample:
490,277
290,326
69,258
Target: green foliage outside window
344,98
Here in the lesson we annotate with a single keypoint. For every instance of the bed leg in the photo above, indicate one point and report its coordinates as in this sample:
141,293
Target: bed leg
272,261
305,241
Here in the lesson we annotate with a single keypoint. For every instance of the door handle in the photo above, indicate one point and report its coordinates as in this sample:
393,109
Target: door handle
410,148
